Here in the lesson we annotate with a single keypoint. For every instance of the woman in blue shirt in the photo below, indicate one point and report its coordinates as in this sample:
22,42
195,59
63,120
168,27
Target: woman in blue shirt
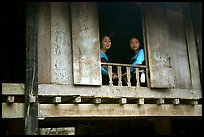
137,59
105,45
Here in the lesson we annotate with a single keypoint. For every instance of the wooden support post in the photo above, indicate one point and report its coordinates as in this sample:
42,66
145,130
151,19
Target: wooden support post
160,101
97,100
57,99
176,101
122,100
140,101
31,83
128,76
110,75
10,99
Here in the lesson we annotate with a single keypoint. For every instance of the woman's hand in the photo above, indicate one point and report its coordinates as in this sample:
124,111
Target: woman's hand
114,76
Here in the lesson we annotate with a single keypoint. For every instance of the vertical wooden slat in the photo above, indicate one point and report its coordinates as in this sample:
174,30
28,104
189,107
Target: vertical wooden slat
192,49
85,41
110,75
61,51
180,62
159,53
137,77
128,76
145,45
44,43
31,83
196,13
119,75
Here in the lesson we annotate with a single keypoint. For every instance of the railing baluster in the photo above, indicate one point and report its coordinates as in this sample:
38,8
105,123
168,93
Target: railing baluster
128,76
110,75
137,77
119,76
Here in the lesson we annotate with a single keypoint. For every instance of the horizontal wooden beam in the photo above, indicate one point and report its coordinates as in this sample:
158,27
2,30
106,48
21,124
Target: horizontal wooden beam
123,65
115,91
13,89
103,91
14,110
117,110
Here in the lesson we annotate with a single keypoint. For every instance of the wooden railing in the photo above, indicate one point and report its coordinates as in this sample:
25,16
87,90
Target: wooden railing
138,69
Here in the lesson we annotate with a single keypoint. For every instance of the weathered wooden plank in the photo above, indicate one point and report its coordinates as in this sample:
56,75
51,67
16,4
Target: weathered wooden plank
15,110
115,91
44,43
31,82
126,110
192,49
13,89
196,13
180,62
159,53
61,50
85,41
145,44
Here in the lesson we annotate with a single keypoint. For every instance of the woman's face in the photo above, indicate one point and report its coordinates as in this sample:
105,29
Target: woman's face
134,44
106,43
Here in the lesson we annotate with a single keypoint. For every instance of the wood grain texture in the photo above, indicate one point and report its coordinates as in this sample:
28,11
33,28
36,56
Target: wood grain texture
44,43
61,50
159,53
180,62
85,38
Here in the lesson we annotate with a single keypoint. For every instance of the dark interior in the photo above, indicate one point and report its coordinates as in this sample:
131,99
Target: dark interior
120,21
13,54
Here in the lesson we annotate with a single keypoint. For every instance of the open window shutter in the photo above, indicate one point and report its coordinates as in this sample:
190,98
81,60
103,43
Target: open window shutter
159,50
85,42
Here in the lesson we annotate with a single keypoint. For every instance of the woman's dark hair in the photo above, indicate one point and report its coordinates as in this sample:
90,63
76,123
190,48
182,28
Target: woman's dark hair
102,36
